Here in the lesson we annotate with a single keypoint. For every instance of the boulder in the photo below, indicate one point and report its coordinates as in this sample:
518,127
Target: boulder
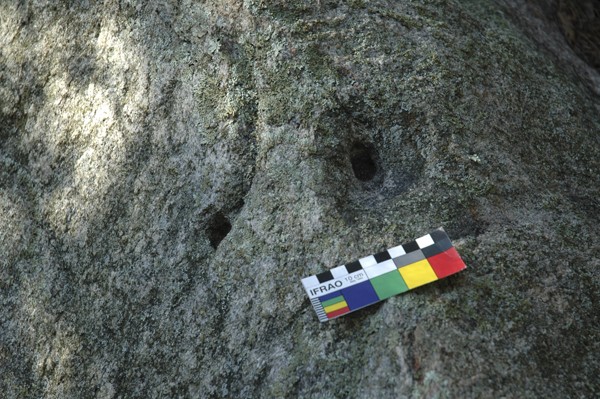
170,170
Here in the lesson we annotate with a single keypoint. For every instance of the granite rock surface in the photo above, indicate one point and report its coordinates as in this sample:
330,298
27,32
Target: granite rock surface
170,170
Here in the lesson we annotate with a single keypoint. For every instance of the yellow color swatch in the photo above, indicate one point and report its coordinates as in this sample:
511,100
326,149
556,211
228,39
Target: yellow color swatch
335,306
417,274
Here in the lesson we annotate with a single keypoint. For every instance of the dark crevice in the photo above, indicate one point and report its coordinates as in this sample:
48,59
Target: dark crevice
363,162
579,20
218,228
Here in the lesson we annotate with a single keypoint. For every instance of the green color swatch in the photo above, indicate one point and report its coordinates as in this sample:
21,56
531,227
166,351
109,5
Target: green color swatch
332,301
389,284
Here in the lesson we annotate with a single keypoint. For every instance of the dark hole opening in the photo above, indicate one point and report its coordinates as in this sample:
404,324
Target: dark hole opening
363,165
218,228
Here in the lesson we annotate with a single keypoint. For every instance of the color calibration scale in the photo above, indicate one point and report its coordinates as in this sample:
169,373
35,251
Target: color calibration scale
374,278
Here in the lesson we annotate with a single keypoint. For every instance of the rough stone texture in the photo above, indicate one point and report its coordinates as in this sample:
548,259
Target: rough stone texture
556,26
169,170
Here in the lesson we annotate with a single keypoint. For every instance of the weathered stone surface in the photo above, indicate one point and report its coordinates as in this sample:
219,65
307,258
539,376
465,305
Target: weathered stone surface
170,170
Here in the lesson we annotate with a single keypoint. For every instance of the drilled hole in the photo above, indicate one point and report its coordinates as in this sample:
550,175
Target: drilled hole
363,164
218,228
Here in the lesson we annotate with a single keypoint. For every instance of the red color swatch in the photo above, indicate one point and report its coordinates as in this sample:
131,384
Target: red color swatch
446,263
338,312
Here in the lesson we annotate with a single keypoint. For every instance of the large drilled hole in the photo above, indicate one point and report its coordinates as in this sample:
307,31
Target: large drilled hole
218,228
363,164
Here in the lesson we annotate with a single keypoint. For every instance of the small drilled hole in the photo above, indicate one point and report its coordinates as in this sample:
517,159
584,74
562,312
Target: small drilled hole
363,165
218,228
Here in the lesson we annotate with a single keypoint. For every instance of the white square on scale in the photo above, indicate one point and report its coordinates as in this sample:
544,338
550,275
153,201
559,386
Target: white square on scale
396,251
367,261
339,271
380,268
424,241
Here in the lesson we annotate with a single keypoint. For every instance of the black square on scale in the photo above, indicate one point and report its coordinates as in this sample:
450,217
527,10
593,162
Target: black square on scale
410,247
325,276
353,266
382,256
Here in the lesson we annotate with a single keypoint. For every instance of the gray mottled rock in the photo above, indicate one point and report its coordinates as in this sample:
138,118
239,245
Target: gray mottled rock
170,170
